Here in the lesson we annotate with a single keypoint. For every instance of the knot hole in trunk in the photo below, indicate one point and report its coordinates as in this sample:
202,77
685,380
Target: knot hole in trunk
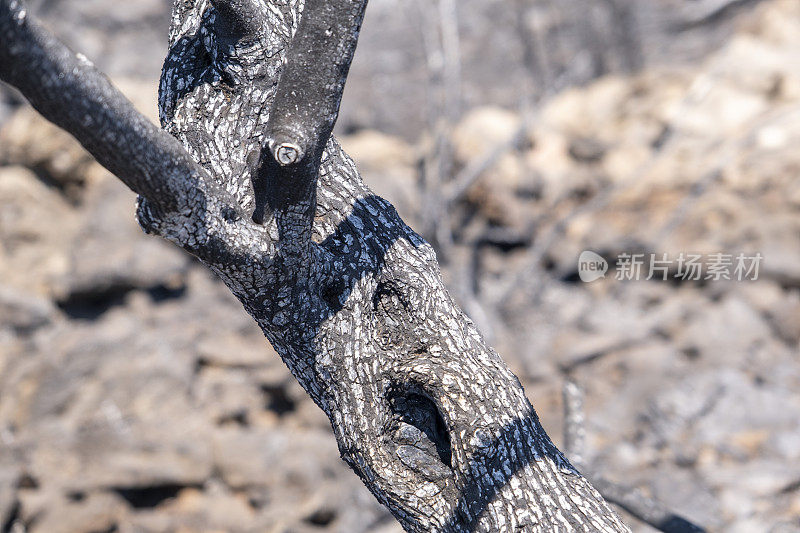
418,424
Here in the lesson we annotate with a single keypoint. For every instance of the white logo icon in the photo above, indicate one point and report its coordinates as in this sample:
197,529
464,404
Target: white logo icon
591,266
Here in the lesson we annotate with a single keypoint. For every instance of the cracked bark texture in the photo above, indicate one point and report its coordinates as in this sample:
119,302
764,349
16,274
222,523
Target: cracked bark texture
427,415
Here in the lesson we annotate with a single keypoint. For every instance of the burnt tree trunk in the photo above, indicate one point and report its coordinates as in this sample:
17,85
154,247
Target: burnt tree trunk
425,413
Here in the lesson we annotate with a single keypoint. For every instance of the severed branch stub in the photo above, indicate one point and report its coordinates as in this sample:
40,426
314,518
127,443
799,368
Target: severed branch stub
287,153
307,101
312,81
423,410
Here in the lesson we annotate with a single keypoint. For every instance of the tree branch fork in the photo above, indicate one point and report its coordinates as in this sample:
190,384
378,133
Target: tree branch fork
246,176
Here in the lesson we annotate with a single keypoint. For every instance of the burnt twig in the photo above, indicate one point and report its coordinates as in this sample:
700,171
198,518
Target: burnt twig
631,499
69,91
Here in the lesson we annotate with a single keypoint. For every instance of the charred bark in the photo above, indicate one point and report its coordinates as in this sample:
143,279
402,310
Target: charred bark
351,298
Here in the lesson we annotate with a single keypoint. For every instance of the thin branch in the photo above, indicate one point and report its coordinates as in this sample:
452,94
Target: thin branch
307,102
624,28
646,509
442,50
69,91
574,422
681,212
707,12
472,172
451,54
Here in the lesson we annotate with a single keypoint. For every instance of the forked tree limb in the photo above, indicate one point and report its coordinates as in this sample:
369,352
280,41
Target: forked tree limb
428,415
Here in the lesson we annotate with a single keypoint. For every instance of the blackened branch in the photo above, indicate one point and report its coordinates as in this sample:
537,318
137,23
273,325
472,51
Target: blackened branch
310,87
306,103
633,500
644,508
70,92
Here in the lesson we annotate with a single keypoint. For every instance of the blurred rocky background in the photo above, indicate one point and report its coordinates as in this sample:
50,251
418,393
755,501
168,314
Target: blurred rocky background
137,396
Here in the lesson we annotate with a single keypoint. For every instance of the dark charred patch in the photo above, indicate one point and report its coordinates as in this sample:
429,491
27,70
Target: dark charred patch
27,481
150,496
76,496
13,518
238,419
113,528
321,517
230,215
389,297
91,303
333,293
277,399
